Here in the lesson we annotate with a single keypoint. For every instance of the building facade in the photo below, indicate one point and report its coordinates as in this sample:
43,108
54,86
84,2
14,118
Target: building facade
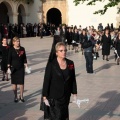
57,12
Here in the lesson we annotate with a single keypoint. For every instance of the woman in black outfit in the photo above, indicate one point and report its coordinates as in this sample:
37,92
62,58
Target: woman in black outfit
76,39
4,50
84,37
117,47
69,38
17,62
59,83
106,43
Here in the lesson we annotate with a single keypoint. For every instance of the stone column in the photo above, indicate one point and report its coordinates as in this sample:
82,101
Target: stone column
25,17
39,17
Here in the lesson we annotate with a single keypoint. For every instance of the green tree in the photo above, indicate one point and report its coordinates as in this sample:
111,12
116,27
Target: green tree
111,3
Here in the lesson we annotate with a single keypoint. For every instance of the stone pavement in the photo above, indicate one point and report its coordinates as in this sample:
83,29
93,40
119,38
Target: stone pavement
102,88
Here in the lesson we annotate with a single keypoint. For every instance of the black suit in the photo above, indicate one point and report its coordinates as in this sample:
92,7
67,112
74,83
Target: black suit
15,60
55,86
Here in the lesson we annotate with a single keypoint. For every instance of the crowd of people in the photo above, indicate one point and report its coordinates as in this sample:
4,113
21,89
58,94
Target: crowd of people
88,40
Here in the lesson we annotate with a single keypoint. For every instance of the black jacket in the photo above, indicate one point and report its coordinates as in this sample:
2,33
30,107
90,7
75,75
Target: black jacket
55,86
17,60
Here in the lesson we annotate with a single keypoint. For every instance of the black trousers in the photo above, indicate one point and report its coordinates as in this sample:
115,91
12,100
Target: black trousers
89,61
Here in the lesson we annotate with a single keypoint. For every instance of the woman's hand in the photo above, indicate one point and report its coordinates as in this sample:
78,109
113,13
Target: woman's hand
25,65
46,101
74,98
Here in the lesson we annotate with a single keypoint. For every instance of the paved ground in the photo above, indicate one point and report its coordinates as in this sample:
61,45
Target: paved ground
102,88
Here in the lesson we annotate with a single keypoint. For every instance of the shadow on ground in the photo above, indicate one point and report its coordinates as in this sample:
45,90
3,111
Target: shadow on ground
16,111
105,66
107,104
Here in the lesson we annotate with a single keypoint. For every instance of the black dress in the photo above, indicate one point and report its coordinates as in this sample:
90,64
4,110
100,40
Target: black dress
17,59
106,43
76,39
58,109
69,37
4,50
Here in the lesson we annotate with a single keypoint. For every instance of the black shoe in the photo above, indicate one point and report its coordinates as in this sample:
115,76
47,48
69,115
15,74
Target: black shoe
107,59
21,99
117,63
7,79
3,79
15,100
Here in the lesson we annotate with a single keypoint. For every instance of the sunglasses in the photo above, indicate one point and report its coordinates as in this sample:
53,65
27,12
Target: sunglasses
62,50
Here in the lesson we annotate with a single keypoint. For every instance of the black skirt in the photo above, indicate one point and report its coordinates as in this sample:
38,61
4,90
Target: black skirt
17,75
58,109
4,65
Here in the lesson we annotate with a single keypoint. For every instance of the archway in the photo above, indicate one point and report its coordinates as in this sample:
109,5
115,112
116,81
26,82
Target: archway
21,13
54,16
4,18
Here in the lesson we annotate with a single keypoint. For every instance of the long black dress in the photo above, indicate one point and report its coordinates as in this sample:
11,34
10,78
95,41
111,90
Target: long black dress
106,43
57,87
4,50
76,39
57,106
69,37
60,111
17,59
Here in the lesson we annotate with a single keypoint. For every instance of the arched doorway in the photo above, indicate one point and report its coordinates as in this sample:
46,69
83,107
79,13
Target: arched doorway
4,18
21,12
54,16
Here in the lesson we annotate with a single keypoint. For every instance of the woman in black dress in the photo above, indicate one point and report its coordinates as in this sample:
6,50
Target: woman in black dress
76,39
4,50
117,48
17,62
69,38
106,43
59,84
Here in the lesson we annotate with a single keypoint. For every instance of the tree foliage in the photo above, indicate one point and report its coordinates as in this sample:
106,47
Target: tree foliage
111,3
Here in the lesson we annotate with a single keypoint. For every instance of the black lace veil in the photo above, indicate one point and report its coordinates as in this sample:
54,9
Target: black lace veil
52,55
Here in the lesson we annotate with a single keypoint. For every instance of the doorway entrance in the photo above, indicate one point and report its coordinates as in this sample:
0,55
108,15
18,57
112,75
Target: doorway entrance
54,16
4,18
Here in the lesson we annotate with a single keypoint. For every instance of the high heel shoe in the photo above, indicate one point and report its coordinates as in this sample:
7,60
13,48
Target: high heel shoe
21,99
107,59
15,100
3,79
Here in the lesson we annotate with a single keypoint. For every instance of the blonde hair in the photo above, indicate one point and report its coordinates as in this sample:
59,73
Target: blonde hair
59,44
14,40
